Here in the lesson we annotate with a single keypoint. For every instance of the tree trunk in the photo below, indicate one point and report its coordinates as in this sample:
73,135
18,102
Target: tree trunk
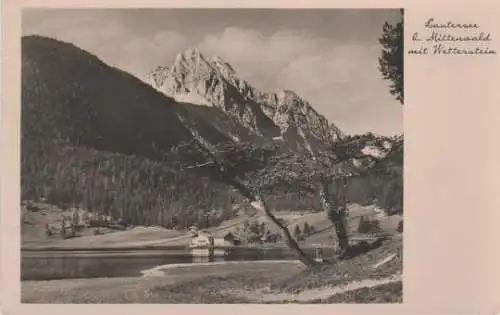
258,203
255,198
335,212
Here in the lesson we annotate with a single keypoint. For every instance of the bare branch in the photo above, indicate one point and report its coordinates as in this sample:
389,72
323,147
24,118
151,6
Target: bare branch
200,165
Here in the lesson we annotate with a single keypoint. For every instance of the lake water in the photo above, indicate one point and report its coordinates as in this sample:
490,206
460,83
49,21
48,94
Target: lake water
92,264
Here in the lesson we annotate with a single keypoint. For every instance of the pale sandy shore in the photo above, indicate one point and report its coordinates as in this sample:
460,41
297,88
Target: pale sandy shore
163,269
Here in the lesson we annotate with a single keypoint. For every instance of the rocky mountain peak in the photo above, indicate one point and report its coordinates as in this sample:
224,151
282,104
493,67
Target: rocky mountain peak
192,53
223,66
213,81
283,94
188,61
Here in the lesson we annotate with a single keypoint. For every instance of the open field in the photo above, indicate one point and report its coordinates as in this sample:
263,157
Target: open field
33,236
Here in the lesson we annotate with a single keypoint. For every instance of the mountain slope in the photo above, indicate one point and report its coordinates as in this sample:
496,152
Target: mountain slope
70,95
97,137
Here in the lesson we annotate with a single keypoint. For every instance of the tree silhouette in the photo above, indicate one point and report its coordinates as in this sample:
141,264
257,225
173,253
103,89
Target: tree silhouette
297,232
306,228
231,164
391,59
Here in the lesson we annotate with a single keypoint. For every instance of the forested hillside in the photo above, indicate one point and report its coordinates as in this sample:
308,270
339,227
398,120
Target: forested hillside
96,137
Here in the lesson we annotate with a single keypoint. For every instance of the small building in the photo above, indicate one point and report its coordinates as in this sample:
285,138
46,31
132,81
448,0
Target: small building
318,255
193,230
232,239
263,239
221,242
202,239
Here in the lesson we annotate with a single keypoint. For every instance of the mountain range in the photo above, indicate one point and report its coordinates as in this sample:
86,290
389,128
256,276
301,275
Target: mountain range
243,111
95,135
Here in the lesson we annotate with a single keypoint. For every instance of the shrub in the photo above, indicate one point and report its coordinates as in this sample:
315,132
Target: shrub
262,228
312,229
306,229
30,206
368,226
97,223
297,232
70,233
76,218
48,230
63,229
400,227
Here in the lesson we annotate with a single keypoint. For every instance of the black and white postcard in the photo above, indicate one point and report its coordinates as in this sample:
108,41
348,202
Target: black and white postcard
269,154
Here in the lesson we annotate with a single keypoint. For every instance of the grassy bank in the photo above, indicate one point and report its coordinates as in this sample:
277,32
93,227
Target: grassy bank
386,293
357,268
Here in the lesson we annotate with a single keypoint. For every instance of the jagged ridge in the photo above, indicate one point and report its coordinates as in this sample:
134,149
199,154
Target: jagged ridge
214,82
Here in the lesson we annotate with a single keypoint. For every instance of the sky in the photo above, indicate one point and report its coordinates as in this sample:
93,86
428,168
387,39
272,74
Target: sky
327,56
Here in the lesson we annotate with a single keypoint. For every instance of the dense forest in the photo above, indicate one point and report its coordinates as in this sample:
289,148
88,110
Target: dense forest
142,191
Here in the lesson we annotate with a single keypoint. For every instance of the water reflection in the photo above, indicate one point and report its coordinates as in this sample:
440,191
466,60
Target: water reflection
50,266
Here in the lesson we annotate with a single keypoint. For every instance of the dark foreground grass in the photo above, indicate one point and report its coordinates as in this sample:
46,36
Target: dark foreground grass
345,271
207,291
386,293
210,289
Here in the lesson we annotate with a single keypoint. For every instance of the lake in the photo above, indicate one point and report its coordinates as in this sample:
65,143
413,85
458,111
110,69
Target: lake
53,265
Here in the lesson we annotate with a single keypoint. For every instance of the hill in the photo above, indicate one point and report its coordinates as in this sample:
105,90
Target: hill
95,136
69,95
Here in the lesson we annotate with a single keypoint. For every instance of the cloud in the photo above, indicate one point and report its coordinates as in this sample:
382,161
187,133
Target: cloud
292,59
341,80
108,38
142,54
253,54
83,30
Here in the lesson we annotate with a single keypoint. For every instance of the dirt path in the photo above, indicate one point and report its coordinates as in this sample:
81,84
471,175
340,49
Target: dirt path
310,294
384,261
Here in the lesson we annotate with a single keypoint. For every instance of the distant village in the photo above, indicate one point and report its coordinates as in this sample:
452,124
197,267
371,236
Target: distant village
250,234
74,220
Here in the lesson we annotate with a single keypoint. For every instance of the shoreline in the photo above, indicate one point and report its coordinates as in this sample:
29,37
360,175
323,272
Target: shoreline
159,270
147,246
119,248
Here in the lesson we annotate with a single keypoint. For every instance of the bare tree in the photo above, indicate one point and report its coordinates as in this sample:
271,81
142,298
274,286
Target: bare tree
258,202
228,165
307,173
332,170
